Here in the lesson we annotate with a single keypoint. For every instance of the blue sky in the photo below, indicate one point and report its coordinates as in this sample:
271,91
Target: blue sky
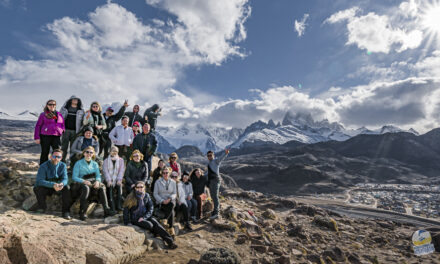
364,63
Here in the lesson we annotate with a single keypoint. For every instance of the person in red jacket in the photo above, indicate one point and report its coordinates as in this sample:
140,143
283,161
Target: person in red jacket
48,130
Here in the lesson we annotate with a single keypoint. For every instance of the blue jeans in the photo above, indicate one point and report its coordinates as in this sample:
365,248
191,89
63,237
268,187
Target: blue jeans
192,207
214,189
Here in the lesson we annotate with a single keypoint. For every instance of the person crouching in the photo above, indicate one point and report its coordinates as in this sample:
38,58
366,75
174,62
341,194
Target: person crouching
113,169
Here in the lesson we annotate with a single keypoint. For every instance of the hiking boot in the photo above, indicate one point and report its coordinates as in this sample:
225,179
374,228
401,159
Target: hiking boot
108,212
188,226
67,216
172,245
213,217
194,220
82,216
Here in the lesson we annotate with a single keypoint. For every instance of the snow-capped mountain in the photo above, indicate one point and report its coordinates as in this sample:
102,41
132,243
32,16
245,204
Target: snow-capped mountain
205,138
301,127
25,116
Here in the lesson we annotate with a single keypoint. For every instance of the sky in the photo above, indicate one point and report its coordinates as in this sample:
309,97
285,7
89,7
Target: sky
228,63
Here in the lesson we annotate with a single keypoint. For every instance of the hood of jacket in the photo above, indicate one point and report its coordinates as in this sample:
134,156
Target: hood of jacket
69,101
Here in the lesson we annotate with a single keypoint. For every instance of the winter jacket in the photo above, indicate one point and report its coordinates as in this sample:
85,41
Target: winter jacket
49,127
91,122
77,144
156,176
49,174
213,171
83,168
152,117
199,184
130,215
133,174
121,136
181,197
116,175
188,189
79,114
179,170
146,144
160,190
111,120
133,117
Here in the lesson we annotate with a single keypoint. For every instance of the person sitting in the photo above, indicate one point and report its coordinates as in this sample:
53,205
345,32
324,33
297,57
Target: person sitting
138,210
52,179
113,169
190,201
172,163
87,182
181,206
122,137
165,192
199,182
81,143
137,170
146,142
157,173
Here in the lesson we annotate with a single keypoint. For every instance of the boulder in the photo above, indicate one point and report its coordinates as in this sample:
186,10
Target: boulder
269,214
326,222
219,256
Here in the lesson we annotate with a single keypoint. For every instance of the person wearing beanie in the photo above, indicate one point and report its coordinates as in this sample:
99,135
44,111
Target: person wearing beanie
110,120
73,114
82,142
157,173
151,115
113,169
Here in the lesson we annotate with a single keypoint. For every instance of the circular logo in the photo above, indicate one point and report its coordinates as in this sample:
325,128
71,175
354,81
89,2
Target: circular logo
421,237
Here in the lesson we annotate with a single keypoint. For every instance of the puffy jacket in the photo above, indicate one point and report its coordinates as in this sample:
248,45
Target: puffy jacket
79,114
133,117
76,146
129,213
146,144
49,174
49,127
160,190
115,176
152,117
181,193
83,168
134,174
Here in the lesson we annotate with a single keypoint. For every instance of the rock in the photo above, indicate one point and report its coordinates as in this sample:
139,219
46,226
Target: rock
297,231
219,256
224,225
334,253
309,210
314,258
285,202
296,252
259,248
30,203
354,259
251,227
285,259
116,219
269,214
326,222
241,239
276,251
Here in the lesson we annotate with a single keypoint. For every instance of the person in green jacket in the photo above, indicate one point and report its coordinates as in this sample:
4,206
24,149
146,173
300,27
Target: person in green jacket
52,179
87,183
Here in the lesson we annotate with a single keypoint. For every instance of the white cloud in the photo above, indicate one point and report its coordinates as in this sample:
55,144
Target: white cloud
342,15
300,26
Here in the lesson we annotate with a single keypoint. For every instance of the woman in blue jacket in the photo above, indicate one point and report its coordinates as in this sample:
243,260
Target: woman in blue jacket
138,210
87,182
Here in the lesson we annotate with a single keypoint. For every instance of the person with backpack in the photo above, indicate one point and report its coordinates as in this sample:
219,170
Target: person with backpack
73,114
110,120
134,116
95,119
213,174
49,129
146,143
151,115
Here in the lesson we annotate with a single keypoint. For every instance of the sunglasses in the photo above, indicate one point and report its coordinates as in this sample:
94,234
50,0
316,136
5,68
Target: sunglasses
51,104
165,172
89,152
56,157
173,157
94,106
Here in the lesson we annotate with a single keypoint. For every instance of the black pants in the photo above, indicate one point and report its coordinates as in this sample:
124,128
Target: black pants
66,141
46,143
105,144
42,192
111,191
183,209
168,210
192,207
88,193
148,159
124,152
154,226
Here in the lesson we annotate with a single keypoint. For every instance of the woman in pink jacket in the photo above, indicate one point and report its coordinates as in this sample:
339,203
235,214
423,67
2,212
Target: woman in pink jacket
48,130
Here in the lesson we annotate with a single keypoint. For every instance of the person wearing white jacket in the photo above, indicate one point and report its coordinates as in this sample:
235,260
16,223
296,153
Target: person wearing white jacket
191,203
165,193
122,136
181,205
113,169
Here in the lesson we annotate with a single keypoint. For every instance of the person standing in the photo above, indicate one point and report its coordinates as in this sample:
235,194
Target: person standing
52,179
122,137
213,174
113,169
138,210
110,120
95,119
134,116
151,115
73,114
48,130
146,143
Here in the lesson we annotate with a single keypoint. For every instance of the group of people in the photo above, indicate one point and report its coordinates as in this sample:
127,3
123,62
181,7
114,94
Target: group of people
126,167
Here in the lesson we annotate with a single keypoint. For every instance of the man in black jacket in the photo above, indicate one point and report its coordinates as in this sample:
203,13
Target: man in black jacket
146,143
134,116
110,120
151,115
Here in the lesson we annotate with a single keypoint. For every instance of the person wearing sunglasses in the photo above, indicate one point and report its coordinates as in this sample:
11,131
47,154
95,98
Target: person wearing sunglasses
173,164
73,114
146,143
137,170
87,183
165,192
181,202
82,142
138,210
214,179
95,119
136,128
113,169
122,137
52,179
110,120
48,130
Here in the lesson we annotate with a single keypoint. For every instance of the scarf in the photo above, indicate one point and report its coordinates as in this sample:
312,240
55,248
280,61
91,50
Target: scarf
52,115
141,209
137,164
174,166
97,118
113,169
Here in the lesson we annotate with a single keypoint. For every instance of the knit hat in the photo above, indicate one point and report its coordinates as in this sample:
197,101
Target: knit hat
185,173
88,128
110,109
136,123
